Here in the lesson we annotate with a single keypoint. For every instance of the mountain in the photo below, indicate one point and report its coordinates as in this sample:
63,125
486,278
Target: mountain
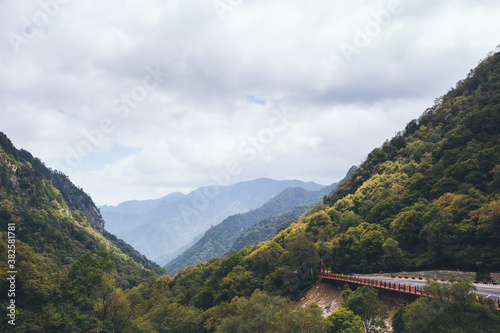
77,199
54,238
268,227
240,230
74,196
429,198
162,228
28,185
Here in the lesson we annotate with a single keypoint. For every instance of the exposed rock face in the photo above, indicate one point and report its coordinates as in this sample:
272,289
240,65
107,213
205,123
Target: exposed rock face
74,196
495,277
326,295
77,198
11,171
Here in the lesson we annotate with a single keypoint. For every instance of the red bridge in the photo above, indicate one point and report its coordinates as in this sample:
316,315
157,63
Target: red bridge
402,288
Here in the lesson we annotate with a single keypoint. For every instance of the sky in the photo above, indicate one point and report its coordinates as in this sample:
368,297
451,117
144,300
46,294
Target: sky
134,100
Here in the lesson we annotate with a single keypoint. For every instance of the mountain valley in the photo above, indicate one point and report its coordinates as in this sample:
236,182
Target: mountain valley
426,199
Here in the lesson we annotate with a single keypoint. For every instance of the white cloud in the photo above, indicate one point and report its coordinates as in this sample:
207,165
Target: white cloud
58,90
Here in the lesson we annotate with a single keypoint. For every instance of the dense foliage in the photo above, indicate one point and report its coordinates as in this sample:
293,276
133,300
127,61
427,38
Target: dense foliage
428,198
365,304
345,321
74,197
77,199
50,240
454,307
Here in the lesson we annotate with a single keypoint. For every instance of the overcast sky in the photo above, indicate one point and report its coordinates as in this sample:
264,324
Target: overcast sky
138,99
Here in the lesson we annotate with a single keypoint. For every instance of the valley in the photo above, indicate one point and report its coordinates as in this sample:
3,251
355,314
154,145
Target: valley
426,199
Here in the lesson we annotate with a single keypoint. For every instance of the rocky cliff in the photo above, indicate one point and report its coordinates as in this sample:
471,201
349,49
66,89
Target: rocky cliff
74,196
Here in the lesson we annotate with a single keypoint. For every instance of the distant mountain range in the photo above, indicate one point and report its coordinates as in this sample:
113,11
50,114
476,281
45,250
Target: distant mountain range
240,230
162,229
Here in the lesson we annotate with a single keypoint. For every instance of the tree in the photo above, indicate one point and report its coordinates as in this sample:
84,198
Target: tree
454,307
292,318
172,317
364,302
205,298
320,225
264,313
393,256
86,277
253,314
345,321
264,260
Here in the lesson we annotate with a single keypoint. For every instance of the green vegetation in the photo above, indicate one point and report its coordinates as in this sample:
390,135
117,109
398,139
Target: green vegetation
453,308
267,228
263,313
365,304
345,321
63,263
428,198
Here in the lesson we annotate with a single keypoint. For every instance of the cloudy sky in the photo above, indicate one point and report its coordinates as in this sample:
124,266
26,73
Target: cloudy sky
138,99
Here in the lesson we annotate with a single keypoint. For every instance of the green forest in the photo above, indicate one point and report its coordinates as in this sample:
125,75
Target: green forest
429,198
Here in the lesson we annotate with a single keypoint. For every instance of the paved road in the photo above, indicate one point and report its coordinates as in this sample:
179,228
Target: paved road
485,291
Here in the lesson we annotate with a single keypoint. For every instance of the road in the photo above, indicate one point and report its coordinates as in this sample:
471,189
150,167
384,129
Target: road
485,291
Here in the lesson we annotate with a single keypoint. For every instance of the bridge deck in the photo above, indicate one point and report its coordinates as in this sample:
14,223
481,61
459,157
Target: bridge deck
402,288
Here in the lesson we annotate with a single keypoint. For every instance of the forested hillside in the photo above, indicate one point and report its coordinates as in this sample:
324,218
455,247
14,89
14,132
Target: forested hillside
268,227
428,198
53,247
77,199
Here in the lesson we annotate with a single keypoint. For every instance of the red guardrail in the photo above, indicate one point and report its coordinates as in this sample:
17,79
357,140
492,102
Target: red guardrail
402,288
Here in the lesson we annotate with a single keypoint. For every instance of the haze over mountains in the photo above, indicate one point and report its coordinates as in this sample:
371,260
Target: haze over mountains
220,239
161,229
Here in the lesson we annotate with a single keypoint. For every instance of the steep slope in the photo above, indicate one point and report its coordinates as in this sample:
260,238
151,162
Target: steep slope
428,198
161,228
219,239
75,197
49,226
268,227
60,267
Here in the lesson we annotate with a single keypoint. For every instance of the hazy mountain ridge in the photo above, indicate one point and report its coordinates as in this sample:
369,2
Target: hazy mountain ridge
160,228
219,239
268,227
